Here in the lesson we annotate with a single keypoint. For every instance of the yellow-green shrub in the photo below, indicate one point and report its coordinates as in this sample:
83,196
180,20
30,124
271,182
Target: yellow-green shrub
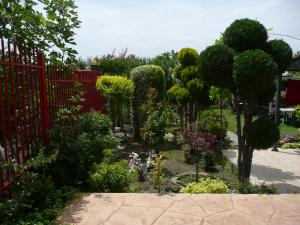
205,185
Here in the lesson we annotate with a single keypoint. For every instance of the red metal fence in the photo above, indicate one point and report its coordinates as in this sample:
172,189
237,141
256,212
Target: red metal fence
30,95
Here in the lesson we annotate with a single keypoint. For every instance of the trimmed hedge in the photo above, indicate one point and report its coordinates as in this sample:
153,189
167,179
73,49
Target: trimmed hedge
262,133
245,34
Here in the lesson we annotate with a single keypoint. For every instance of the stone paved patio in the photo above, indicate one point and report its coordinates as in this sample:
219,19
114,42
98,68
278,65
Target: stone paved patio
204,209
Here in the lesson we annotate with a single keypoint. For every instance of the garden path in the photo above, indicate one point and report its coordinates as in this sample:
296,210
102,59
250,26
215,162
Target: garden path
182,209
280,168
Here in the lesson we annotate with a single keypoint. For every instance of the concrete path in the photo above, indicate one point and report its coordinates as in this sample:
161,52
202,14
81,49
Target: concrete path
279,168
182,209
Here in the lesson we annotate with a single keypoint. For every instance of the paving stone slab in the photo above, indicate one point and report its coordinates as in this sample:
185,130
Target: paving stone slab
185,209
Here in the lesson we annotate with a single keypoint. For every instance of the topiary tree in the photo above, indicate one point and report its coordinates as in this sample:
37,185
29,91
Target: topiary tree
116,89
179,96
243,59
145,77
190,87
282,55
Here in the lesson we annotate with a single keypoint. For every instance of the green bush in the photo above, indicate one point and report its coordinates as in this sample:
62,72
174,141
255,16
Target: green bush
188,56
94,123
216,66
255,69
209,162
178,94
35,198
209,121
148,76
206,185
262,133
291,145
79,151
245,34
248,188
145,77
115,87
112,177
281,52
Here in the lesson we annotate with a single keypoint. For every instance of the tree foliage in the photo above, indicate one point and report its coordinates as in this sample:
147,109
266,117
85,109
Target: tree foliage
145,78
254,63
253,71
216,65
51,29
281,52
245,34
262,133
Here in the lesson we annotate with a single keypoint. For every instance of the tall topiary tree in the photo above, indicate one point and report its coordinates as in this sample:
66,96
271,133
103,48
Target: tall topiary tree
190,93
116,89
242,64
145,77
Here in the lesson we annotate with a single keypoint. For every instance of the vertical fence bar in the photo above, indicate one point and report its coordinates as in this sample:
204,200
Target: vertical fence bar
43,100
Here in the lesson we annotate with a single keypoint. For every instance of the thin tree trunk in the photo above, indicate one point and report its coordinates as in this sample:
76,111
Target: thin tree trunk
197,170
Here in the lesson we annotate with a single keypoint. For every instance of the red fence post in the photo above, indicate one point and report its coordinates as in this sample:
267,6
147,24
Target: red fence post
43,100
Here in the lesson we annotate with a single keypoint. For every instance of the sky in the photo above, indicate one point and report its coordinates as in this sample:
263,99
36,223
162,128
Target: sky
150,27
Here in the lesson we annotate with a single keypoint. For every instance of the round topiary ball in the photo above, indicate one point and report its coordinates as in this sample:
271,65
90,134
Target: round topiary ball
147,76
190,72
262,133
281,52
253,71
244,34
177,72
195,87
188,56
178,94
216,66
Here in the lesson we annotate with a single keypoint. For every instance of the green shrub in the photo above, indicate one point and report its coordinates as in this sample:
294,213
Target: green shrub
216,66
94,123
291,145
245,34
79,151
248,188
35,198
262,133
188,56
178,94
206,185
209,121
115,87
209,162
112,177
145,77
281,52
255,69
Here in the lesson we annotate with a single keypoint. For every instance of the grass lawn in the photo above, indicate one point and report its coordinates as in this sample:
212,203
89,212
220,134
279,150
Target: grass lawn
284,129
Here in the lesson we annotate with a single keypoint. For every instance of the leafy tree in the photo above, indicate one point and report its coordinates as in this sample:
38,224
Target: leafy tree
199,143
190,87
51,30
117,90
242,64
144,78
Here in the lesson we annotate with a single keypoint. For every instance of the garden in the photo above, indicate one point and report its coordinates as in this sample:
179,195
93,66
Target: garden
164,124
